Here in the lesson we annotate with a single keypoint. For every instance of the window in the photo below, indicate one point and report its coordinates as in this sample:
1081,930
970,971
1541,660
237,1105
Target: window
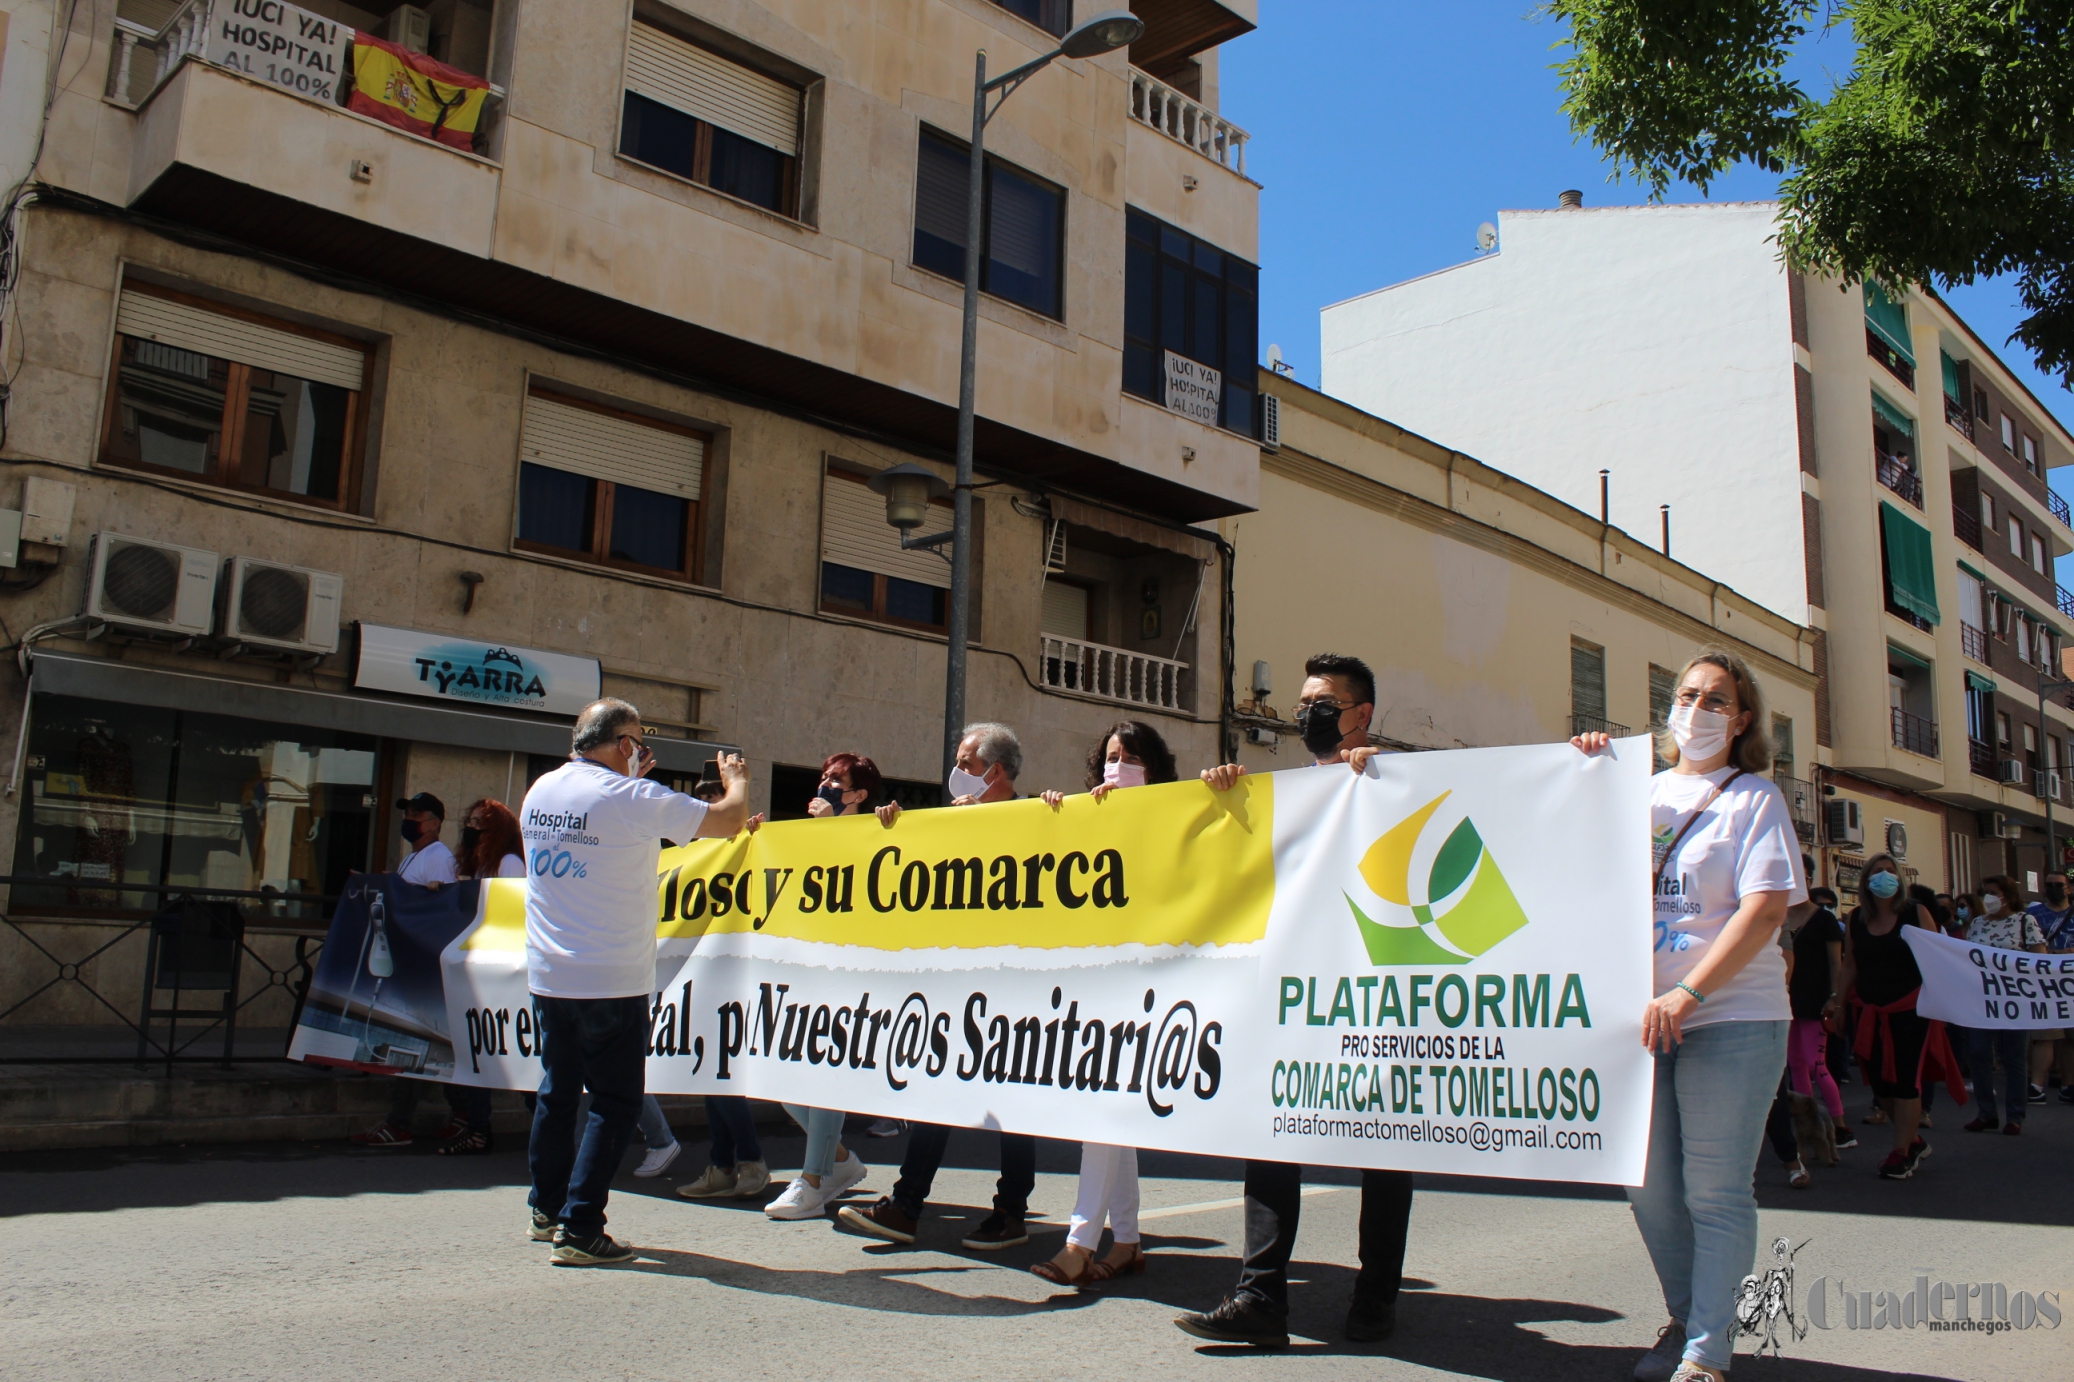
608,486
1987,512
1066,610
1905,555
234,398
1587,687
1185,295
2037,554
2031,747
2008,435
1023,218
1887,335
2016,537
1980,404
1663,685
2022,627
2002,730
1782,746
2031,454
864,570
709,119
1052,16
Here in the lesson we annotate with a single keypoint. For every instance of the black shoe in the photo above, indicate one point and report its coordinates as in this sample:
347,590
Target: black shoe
997,1231
1238,1320
600,1251
2067,1094
1371,1322
884,1219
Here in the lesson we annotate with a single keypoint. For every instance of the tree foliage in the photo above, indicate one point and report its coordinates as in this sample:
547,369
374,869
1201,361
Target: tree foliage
1945,155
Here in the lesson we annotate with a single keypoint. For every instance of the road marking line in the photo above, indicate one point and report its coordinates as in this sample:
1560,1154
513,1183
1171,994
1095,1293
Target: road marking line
1203,1208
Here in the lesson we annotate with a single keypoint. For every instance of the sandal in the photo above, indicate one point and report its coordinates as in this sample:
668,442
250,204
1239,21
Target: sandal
1108,1269
471,1142
1798,1177
1056,1275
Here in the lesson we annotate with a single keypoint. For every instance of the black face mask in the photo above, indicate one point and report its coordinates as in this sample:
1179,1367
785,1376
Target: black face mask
2056,894
470,837
1319,725
409,830
833,796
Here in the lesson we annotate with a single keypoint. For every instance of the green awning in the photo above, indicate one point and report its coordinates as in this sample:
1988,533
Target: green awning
1893,416
1976,682
1974,572
1911,578
1914,659
1889,321
1951,377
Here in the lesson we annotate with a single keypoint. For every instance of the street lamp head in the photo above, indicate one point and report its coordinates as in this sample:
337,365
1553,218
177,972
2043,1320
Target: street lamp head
908,489
1102,33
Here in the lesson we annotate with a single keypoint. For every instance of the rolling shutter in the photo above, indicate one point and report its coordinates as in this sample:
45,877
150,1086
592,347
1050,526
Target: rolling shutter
703,84
187,327
1064,611
854,532
584,441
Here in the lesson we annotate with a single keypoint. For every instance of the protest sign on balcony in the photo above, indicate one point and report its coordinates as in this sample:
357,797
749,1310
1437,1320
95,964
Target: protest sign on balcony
279,44
1193,390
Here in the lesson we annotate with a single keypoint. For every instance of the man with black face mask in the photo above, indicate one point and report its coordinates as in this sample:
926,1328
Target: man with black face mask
1333,712
431,863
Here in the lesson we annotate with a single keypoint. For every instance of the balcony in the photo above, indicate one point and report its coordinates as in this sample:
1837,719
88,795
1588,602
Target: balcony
2058,507
2064,599
1898,475
1980,758
1800,802
1914,733
1973,642
1109,674
1966,526
1188,121
1891,358
1958,417
1597,724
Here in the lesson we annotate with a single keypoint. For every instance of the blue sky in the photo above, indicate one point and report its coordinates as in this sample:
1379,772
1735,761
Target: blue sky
1384,132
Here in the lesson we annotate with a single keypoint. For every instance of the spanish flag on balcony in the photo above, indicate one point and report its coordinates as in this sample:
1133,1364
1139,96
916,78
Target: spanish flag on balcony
415,93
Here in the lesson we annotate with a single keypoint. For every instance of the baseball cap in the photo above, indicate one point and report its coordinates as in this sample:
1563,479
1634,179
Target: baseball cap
423,801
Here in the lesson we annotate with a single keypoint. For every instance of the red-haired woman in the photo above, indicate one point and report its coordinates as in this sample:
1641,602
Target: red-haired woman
490,843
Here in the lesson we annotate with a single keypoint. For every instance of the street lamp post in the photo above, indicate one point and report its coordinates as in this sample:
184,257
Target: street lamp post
1103,33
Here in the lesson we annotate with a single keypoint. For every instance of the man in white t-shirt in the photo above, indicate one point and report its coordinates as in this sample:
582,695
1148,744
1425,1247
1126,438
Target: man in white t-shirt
430,863
593,829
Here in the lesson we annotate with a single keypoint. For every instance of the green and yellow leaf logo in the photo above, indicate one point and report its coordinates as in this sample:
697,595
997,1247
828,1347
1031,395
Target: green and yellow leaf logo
1465,908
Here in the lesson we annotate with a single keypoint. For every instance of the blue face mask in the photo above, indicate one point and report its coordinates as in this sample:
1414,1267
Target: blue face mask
1965,914
1883,884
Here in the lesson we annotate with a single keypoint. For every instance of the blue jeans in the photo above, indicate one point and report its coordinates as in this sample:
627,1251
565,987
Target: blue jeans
1695,1208
1983,1048
602,1044
824,1129
655,1129
734,1130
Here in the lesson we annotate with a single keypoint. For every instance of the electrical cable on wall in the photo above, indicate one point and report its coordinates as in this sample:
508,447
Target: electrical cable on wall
12,206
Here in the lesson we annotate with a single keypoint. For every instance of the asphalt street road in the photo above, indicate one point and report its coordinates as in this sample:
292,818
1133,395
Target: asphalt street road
292,1261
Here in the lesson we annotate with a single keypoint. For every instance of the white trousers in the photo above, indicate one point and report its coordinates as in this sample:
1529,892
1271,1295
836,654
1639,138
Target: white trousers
1108,1190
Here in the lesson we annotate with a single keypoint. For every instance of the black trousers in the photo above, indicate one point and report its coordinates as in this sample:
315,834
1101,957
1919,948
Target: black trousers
1274,1201
1778,1124
926,1144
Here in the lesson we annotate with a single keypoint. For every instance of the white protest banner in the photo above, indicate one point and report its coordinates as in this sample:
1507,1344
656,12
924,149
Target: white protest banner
1996,990
1193,390
282,45
1440,965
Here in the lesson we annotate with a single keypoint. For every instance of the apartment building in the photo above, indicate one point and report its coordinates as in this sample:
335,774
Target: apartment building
1860,463
387,380
1492,612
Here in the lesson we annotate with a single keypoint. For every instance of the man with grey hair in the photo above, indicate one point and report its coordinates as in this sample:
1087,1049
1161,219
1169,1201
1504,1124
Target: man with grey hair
989,760
593,829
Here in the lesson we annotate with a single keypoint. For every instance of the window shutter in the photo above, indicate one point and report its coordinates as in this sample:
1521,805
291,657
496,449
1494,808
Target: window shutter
686,77
187,327
584,441
854,532
1271,423
941,188
1911,578
1889,321
1065,610
1587,681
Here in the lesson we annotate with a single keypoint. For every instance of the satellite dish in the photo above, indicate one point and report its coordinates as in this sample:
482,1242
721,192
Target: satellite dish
1487,237
1274,357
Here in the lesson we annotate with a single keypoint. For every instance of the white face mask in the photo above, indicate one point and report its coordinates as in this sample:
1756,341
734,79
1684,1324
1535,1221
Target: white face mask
1990,904
1700,734
964,784
1118,773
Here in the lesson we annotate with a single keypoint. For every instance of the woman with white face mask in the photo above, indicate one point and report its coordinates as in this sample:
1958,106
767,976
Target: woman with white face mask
1131,754
1727,872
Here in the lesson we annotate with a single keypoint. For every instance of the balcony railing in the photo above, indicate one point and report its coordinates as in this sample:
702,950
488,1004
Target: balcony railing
1914,733
1980,758
1966,526
1114,674
1890,357
1188,121
1897,475
2065,600
1957,415
2058,507
1597,724
1973,642
1800,802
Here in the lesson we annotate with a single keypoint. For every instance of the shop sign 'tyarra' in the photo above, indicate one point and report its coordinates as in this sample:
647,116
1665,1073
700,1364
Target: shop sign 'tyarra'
446,668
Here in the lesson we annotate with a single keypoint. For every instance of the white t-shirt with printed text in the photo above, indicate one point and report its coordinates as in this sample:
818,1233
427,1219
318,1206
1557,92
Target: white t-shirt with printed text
1743,843
593,840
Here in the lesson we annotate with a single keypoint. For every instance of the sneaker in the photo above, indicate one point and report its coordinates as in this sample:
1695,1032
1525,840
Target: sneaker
2037,1094
1981,1125
1689,1371
600,1251
1845,1138
1918,1153
752,1178
710,1186
2012,1129
1875,1119
2067,1094
1237,1320
801,1200
1924,1122
884,1219
885,1127
997,1231
848,1175
1896,1167
383,1135
1371,1322
1664,1355
543,1228
658,1159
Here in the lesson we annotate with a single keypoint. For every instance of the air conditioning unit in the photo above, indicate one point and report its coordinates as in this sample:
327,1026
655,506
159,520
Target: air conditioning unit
1897,840
2013,770
1270,422
409,27
150,587
290,609
1846,822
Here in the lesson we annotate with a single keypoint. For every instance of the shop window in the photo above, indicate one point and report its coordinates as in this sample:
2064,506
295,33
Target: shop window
706,118
1022,221
612,487
124,794
232,398
864,570
1187,296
